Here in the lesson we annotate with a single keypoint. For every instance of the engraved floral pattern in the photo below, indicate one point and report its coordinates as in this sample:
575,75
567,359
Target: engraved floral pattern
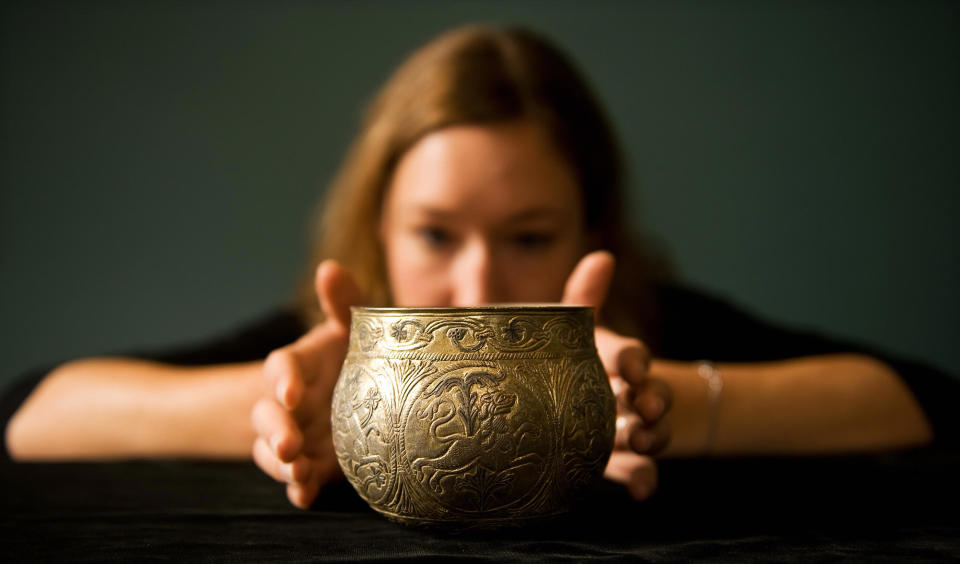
468,334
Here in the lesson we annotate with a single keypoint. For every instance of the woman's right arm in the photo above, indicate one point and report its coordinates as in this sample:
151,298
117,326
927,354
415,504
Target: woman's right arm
112,408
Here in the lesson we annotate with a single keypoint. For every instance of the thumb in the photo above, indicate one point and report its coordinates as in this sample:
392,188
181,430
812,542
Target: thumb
337,291
590,280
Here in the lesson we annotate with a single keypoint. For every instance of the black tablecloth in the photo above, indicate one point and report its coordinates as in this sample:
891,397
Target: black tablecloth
901,507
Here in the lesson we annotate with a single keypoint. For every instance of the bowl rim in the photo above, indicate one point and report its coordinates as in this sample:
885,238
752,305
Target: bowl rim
545,307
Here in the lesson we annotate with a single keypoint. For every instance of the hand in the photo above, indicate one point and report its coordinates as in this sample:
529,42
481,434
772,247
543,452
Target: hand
292,421
641,401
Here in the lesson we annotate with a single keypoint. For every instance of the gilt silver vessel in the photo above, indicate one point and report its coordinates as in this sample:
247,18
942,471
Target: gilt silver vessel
482,416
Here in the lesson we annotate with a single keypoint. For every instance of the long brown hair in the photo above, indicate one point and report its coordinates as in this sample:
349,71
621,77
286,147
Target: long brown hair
475,75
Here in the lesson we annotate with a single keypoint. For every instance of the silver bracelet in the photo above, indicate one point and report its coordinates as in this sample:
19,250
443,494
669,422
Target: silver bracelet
714,381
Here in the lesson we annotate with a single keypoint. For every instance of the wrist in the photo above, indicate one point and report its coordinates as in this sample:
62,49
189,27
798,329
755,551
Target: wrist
713,379
212,409
690,413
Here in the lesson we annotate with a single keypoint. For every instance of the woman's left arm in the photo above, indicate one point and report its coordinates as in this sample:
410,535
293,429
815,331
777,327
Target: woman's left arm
810,405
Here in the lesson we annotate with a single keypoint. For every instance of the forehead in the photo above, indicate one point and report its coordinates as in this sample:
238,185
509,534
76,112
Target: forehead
499,169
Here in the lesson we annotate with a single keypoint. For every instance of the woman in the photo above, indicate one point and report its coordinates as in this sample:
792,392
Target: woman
485,172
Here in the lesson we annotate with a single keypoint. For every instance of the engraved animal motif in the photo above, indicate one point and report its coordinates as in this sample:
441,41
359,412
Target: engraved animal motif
369,469
476,434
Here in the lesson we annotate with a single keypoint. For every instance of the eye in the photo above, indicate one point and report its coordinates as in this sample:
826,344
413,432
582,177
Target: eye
435,236
533,240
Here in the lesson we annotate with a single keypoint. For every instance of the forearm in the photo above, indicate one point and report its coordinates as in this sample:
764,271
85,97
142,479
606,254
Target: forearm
121,408
824,404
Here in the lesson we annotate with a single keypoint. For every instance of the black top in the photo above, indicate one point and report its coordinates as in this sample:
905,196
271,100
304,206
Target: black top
694,326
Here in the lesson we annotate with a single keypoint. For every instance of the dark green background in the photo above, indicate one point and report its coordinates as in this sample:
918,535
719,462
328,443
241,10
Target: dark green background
160,160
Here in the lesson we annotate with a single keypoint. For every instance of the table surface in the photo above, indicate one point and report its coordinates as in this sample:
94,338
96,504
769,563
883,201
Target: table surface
901,507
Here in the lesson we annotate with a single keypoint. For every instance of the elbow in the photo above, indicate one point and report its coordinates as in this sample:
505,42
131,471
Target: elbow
36,428
896,408
16,442
23,436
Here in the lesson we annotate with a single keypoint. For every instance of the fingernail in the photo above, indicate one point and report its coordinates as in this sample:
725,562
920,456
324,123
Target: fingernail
280,392
274,441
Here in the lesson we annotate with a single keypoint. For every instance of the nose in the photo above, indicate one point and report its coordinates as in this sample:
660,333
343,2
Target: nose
474,277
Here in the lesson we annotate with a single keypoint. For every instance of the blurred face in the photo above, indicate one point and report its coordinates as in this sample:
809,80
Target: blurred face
481,214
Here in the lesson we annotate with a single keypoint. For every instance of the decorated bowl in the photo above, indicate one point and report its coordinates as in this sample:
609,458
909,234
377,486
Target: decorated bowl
482,416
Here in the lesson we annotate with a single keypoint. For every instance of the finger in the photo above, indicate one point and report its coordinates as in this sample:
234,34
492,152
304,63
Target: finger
633,434
652,399
628,424
649,440
285,377
621,391
271,465
590,280
637,472
623,356
303,494
291,369
337,291
276,427
300,496
295,471
641,430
